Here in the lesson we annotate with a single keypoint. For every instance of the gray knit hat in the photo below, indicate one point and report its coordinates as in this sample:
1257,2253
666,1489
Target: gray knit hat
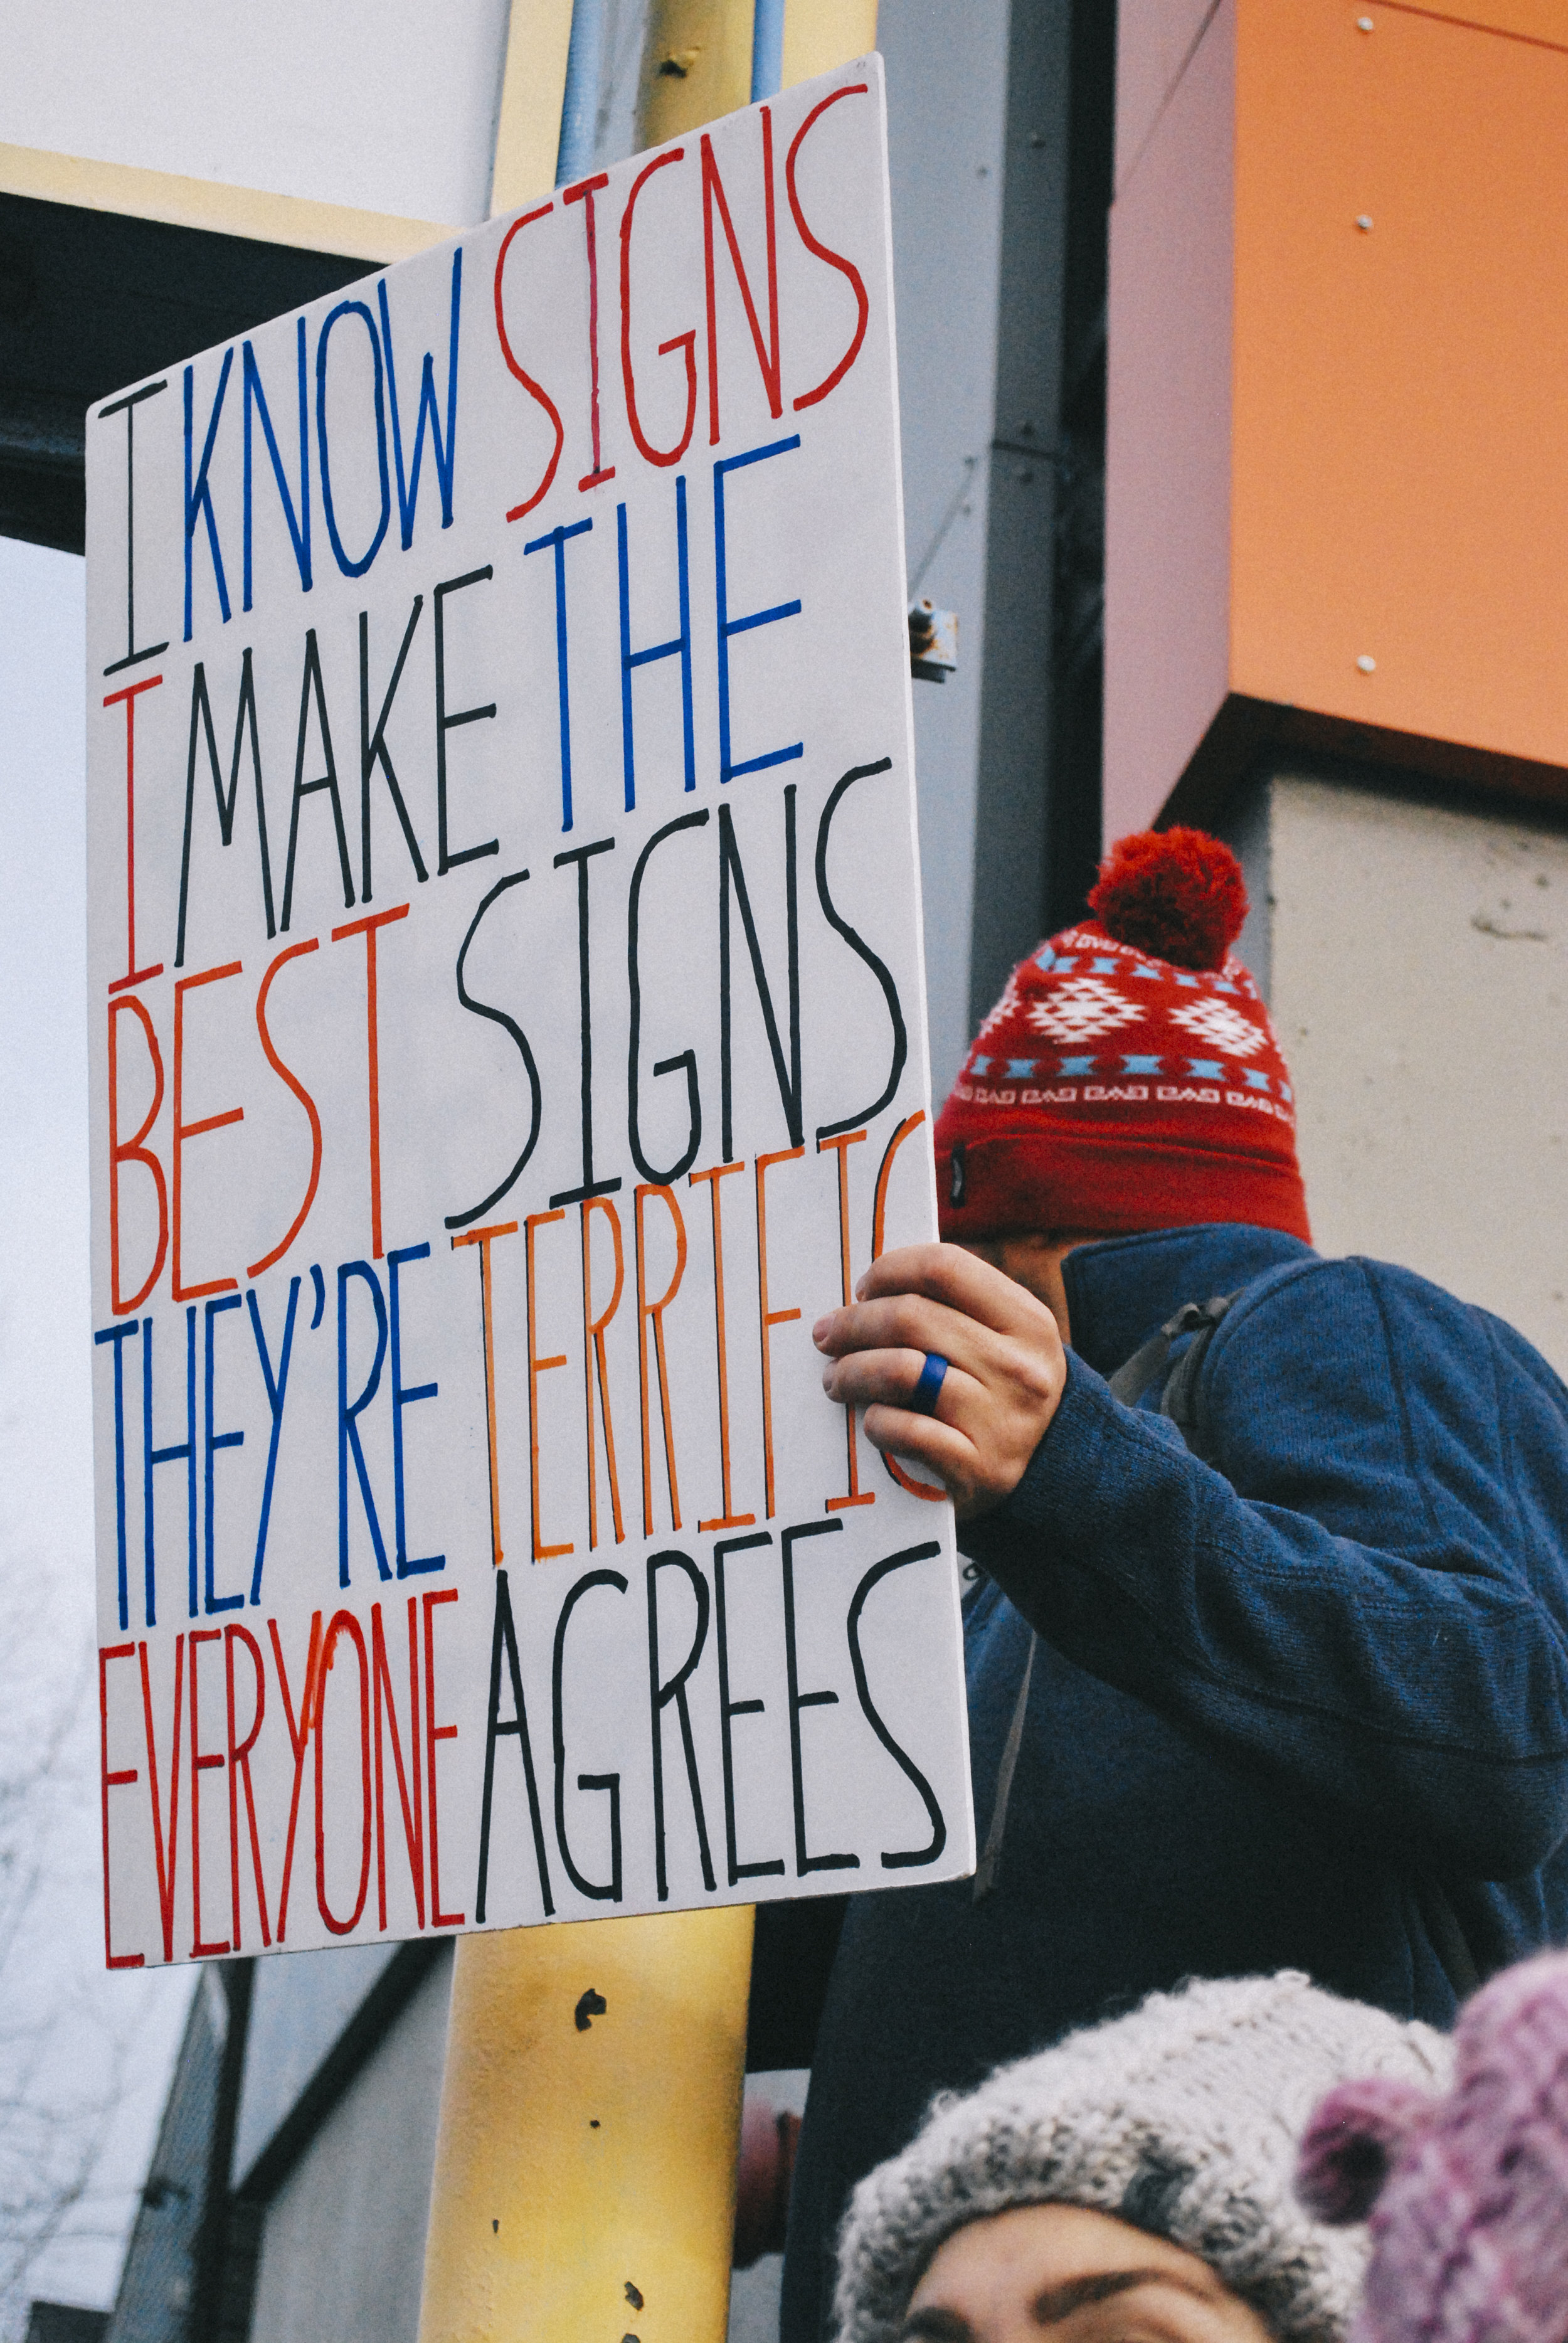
1181,2119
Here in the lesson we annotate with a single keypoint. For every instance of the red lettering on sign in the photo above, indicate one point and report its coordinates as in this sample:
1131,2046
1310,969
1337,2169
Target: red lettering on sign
114,1781
134,1151
930,1490
647,1309
128,693
728,1519
367,929
538,1367
306,1100
686,342
201,1761
834,259
299,1741
183,1130
534,390
165,1877
239,1771
483,1238
840,1142
594,1362
413,1810
767,355
342,1622
770,1318
584,193
434,1732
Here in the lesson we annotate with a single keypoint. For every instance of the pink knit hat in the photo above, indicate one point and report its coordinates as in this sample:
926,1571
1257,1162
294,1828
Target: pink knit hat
1467,2195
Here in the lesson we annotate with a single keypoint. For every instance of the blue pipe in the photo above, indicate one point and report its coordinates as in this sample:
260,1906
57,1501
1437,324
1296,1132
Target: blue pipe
580,101
766,48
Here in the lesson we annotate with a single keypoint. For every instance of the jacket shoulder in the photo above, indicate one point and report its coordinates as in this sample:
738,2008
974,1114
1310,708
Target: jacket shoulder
1356,1389
1420,1321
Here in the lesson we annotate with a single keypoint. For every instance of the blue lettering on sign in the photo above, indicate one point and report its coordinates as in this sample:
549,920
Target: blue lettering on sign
298,522
198,494
350,567
443,446
728,770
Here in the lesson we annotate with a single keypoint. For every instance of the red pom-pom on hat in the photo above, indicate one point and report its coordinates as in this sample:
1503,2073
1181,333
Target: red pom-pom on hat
1178,894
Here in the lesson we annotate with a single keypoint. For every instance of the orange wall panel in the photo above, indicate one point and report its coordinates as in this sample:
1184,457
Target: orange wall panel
1397,338
1401,416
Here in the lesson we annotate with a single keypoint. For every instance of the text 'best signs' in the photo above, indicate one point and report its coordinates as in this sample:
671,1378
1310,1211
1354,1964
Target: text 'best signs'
509,1037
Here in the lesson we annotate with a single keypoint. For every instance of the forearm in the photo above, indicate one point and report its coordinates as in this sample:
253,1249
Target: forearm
1426,1696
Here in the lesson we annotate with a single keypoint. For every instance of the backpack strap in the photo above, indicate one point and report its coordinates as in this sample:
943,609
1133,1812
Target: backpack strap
991,1854
1132,1379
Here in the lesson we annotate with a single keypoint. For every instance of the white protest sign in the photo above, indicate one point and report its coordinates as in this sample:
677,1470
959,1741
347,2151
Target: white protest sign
508,1037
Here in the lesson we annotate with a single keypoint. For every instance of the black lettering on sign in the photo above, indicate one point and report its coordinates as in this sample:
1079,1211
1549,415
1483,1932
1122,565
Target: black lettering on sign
127,406
582,856
660,1695
448,856
602,1891
510,1025
373,751
310,684
244,722
858,945
910,1859
685,1061
732,876
799,1700
504,1638
729,1708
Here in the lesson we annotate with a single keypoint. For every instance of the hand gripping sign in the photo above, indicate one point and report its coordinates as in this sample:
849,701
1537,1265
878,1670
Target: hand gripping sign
508,1037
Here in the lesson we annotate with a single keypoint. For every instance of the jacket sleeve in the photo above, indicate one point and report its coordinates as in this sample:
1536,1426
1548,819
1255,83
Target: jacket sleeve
1369,1599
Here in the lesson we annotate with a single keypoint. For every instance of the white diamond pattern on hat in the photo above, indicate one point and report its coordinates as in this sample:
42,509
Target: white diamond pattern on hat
1005,1007
1221,1027
1083,1010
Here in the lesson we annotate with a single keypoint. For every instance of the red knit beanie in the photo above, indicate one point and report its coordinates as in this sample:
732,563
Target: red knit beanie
1129,1077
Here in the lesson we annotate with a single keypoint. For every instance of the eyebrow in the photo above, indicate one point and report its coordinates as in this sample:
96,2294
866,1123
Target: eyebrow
1059,2302
936,2325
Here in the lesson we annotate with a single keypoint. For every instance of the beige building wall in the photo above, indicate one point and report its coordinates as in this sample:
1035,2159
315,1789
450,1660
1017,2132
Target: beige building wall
343,2245
1415,957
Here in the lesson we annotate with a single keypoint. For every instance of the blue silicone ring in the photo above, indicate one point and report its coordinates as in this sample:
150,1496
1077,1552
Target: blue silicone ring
922,1400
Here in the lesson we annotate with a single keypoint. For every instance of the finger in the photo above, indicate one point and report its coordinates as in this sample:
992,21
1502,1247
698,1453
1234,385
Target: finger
871,1378
911,1323
948,1274
923,1443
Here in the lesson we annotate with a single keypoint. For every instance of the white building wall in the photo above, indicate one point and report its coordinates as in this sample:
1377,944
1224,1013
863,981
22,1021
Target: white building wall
389,105
1416,958
343,2246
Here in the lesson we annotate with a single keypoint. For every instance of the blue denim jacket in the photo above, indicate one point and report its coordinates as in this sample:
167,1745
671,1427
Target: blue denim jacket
1308,1709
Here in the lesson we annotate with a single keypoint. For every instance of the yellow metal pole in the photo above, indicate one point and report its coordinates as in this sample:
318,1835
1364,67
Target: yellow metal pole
590,2106
590,2119
821,34
696,65
528,121
697,59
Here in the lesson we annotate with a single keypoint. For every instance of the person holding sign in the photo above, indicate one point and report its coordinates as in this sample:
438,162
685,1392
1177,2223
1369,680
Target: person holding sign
1267,1631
